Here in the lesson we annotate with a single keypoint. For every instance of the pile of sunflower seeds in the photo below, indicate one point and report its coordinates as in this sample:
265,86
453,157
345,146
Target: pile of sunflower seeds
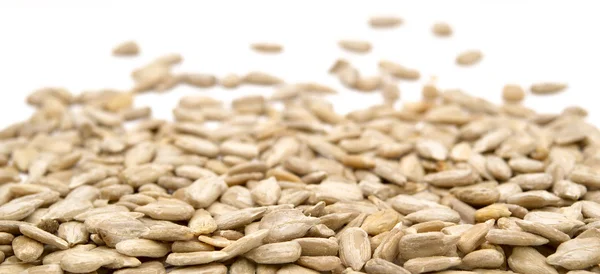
451,184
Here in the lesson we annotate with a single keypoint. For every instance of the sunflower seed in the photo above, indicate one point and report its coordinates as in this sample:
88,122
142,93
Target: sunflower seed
468,58
27,249
427,244
533,181
43,236
275,253
429,264
515,238
84,261
525,165
483,258
399,71
261,78
239,218
50,269
546,231
533,199
380,221
318,246
513,93
126,48
529,260
320,263
547,88
357,46
195,258
267,47
384,21
355,249
142,247
212,268
452,178
147,267
442,29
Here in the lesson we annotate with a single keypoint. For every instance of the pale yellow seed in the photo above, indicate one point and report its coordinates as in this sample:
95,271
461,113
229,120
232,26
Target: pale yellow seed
267,47
230,81
357,46
430,92
127,48
381,22
442,29
469,57
547,88
513,93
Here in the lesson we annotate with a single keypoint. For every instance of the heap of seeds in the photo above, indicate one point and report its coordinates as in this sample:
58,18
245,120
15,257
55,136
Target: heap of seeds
451,184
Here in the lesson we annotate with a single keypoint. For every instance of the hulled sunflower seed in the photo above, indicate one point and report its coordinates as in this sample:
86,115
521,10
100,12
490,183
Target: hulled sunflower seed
275,253
469,57
320,263
26,249
267,47
195,258
483,258
261,78
215,268
84,261
431,149
147,267
576,254
473,237
355,249
515,238
384,21
547,88
239,218
427,244
318,246
442,29
381,266
529,260
399,71
126,48
357,46
525,165
452,178
143,248
533,181
513,93
43,236
546,231
429,264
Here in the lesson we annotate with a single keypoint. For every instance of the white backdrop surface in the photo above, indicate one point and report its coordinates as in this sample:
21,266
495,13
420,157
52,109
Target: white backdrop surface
68,43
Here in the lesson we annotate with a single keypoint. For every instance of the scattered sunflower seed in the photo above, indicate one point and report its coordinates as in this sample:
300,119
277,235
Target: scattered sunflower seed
385,21
442,29
357,46
547,88
469,57
267,47
126,48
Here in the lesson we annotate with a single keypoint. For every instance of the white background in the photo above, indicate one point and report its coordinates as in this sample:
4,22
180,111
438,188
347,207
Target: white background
68,43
